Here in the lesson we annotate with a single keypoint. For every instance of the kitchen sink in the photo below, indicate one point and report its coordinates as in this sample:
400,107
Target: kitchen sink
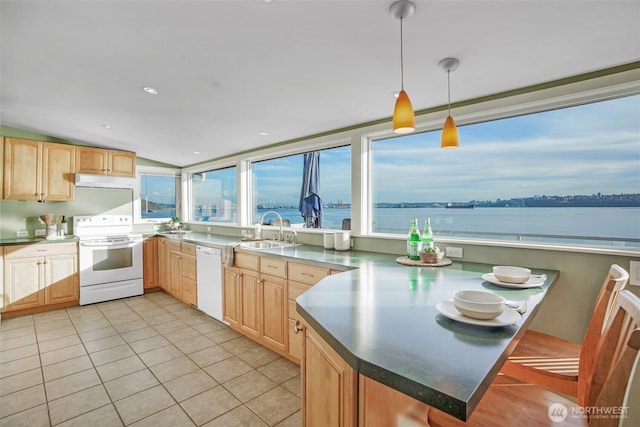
266,244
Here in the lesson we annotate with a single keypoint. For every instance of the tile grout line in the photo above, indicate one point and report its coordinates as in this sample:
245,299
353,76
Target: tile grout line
178,314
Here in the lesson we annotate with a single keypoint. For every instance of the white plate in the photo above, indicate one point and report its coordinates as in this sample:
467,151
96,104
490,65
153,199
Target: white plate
531,283
508,317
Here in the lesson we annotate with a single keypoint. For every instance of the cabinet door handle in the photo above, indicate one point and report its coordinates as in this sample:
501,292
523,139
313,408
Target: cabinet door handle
297,327
308,274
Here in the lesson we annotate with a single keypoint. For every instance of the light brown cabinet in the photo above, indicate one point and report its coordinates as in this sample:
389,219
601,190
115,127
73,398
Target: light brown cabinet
163,263
255,302
231,296
177,269
329,385
35,170
188,273
274,312
301,278
40,275
99,161
150,262
259,295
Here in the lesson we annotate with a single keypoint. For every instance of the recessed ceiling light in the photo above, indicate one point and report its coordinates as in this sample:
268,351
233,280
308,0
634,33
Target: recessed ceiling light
263,133
196,152
106,126
150,90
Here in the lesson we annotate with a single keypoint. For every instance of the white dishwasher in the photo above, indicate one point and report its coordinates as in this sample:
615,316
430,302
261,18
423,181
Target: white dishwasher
209,275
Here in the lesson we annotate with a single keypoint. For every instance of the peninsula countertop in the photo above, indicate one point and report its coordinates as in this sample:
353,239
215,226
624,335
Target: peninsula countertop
382,320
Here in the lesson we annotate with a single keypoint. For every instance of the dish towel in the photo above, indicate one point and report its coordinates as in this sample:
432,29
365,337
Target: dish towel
228,253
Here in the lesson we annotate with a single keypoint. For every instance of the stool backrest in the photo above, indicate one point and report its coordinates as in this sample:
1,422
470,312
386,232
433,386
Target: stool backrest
614,283
615,356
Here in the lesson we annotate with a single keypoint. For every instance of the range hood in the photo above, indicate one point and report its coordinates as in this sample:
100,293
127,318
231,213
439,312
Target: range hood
105,181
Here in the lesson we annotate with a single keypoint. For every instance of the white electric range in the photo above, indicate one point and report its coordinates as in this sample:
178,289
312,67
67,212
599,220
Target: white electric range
110,257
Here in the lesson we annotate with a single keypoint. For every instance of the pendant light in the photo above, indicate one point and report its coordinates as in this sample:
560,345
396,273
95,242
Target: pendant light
449,131
404,119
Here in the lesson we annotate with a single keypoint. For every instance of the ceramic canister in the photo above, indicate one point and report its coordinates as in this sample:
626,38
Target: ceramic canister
342,240
328,239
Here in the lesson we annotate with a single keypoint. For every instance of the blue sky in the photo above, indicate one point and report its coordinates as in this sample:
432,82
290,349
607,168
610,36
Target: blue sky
584,150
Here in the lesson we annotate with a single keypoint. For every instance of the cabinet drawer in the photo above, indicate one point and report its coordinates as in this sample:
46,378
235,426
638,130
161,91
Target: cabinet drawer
296,289
188,248
248,261
189,291
189,267
307,273
36,250
273,266
173,245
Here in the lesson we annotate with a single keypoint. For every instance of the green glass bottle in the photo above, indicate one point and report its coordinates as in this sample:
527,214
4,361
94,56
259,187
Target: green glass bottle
427,235
414,243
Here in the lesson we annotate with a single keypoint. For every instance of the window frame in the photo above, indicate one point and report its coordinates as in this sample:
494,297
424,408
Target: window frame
552,98
187,191
327,145
157,171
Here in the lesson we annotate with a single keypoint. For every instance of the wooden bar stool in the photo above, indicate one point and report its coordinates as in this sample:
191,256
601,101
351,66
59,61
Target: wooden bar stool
556,363
605,390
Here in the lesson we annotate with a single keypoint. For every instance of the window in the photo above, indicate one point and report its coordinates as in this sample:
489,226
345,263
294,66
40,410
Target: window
159,194
277,184
566,175
213,195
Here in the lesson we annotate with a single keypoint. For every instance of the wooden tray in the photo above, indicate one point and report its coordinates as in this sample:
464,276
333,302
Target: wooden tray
404,260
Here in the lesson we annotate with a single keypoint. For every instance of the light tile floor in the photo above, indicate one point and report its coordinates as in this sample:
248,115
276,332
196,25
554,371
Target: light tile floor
141,361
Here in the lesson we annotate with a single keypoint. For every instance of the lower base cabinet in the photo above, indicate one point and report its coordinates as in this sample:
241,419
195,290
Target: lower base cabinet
255,303
231,297
329,385
335,395
150,262
274,312
40,275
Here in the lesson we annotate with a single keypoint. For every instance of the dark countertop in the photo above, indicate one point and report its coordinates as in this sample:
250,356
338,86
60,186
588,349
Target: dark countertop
383,321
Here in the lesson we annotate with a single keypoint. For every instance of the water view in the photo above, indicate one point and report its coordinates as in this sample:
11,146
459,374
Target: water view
574,225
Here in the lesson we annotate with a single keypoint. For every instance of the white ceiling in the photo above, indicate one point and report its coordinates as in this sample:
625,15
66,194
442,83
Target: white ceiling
227,70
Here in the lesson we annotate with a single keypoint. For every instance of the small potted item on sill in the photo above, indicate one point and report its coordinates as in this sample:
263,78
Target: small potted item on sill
431,255
175,223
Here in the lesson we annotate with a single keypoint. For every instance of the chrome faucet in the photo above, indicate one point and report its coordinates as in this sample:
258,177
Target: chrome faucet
280,234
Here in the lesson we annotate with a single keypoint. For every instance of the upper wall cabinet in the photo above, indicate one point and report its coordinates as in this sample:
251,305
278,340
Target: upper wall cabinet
35,170
99,161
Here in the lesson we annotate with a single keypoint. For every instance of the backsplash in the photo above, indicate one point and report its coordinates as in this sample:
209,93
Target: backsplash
24,214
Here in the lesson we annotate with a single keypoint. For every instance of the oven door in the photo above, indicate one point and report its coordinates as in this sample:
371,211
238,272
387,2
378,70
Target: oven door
110,260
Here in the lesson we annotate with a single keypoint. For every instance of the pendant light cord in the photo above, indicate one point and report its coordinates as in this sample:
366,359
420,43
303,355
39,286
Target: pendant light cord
449,89
401,58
